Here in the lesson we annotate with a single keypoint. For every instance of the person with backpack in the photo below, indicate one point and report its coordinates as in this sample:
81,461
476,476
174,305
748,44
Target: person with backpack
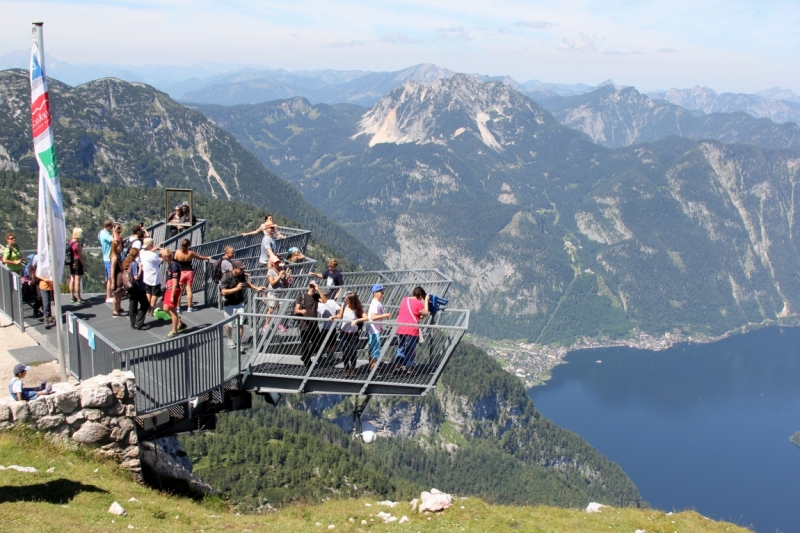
12,257
77,266
134,240
132,279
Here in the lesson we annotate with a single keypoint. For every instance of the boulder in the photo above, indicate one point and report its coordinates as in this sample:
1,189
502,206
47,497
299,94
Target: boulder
119,390
96,397
116,409
38,407
67,402
76,418
19,411
116,509
5,413
91,433
49,422
434,501
93,415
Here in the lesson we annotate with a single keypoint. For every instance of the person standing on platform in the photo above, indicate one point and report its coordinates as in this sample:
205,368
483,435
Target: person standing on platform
172,296
116,279
12,257
269,250
105,243
232,287
310,336
353,316
184,257
374,329
151,273
78,267
138,303
276,277
412,309
332,276
47,294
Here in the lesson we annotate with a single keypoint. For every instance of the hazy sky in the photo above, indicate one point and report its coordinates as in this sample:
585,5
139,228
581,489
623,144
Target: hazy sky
733,45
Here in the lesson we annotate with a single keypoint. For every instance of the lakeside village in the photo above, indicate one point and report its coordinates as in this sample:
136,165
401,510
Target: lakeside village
532,363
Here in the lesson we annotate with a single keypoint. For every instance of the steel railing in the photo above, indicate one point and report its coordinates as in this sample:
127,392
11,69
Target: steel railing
313,354
167,372
292,237
11,296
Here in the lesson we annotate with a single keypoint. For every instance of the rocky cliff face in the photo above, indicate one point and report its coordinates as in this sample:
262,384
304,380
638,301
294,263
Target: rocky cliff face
706,100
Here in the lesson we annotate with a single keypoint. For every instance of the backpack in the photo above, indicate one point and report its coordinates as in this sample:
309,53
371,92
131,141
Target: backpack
216,272
69,255
126,248
127,279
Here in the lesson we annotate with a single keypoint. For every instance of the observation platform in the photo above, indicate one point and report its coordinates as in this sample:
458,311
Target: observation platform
185,381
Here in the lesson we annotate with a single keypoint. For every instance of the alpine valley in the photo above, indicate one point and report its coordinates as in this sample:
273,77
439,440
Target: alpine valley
551,237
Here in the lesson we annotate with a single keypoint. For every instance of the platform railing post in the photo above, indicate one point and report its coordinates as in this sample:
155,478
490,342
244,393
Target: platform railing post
315,358
385,348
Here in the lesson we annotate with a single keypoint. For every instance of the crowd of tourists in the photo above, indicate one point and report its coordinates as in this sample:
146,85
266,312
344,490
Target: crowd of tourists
133,267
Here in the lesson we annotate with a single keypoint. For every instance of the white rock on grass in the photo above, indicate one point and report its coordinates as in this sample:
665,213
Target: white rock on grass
21,468
387,503
116,509
434,501
414,503
387,517
403,519
594,507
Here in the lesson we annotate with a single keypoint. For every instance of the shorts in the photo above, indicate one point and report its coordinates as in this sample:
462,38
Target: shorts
172,298
108,269
231,310
152,290
374,345
76,268
272,300
187,277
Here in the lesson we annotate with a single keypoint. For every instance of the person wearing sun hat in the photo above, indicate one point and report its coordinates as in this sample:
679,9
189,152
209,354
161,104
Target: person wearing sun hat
20,393
375,315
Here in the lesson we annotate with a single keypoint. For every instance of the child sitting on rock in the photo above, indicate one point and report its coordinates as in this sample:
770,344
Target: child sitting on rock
20,393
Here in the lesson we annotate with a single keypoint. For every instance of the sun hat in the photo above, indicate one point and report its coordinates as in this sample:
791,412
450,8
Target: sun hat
294,249
147,242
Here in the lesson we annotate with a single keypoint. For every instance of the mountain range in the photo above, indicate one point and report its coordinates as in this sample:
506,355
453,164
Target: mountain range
131,135
550,236
616,116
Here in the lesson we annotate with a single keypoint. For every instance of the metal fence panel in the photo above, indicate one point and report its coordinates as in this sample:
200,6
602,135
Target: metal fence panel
11,296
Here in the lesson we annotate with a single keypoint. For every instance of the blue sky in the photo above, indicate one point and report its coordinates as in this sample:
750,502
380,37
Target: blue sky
727,45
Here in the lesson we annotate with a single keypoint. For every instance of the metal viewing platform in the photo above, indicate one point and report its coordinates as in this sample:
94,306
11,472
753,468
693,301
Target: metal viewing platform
183,382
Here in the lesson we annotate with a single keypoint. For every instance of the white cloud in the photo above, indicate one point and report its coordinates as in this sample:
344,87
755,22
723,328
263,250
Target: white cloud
330,43
581,43
667,51
399,38
534,24
455,33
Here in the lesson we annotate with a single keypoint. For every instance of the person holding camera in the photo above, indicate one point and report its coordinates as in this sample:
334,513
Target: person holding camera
310,336
232,286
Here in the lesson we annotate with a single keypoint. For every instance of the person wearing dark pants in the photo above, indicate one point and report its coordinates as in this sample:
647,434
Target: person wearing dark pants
138,302
310,336
46,292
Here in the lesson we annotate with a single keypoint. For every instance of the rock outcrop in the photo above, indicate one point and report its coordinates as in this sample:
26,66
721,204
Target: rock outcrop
98,413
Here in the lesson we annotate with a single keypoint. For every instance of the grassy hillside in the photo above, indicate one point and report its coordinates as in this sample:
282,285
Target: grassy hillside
77,494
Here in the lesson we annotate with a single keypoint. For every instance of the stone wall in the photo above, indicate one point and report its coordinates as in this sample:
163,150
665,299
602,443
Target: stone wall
97,412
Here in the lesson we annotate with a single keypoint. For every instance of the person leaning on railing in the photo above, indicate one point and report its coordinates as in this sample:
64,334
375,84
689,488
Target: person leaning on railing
232,287
184,258
12,257
412,309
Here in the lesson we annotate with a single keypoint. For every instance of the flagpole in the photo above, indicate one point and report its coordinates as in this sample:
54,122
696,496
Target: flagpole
51,236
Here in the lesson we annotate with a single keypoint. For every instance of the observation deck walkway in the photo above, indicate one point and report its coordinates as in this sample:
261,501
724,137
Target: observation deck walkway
185,381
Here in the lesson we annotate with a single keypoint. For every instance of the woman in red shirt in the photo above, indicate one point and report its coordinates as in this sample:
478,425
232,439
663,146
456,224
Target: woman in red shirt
412,309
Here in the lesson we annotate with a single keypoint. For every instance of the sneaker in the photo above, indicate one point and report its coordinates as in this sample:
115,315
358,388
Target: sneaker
48,389
281,327
171,335
181,328
178,310
190,309
231,344
109,300
73,301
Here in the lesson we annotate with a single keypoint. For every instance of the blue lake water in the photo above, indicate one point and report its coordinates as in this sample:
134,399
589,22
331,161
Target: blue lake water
703,427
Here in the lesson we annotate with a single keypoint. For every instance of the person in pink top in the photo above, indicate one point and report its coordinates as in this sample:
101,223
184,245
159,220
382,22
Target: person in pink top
412,309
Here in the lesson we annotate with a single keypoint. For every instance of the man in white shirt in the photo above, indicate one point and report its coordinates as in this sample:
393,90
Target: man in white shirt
374,329
328,307
151,272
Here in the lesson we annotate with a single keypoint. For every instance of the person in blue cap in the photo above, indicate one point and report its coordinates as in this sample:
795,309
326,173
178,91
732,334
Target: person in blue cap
375,314
20,393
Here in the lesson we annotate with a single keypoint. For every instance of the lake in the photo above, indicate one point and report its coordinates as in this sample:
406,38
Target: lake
699,426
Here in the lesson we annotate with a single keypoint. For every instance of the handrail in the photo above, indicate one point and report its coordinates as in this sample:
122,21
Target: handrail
11,296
